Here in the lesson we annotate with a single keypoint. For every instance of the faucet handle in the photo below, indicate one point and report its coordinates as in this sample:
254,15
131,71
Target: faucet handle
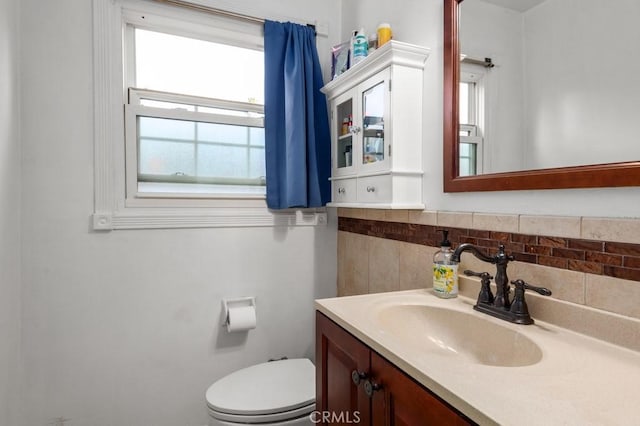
483,275
519,306
485,295
525,286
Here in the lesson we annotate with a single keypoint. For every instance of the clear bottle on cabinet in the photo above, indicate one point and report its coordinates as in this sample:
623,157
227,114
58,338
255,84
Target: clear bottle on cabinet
360,46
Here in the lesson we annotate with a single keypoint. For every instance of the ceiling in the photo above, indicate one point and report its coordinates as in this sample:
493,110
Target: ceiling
518,5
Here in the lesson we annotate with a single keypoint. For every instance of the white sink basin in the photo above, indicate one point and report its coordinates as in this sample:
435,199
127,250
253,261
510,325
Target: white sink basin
460,334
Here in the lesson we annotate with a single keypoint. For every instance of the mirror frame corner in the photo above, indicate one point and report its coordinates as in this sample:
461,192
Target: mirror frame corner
590,176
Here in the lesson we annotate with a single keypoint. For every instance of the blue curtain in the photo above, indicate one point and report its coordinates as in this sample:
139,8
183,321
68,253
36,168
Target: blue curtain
297,138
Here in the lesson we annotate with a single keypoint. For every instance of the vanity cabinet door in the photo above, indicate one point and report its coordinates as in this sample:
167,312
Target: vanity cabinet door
338,355
344,132
373,117
402,401
384,396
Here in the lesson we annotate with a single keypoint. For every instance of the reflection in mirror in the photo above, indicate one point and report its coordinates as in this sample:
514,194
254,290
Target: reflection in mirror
557,90
540,94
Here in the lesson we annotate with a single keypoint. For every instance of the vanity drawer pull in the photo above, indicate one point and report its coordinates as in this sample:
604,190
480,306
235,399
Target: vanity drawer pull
371,189
357,377
341,190
370,387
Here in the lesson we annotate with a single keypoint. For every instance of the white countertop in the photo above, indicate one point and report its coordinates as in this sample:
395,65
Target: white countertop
578,381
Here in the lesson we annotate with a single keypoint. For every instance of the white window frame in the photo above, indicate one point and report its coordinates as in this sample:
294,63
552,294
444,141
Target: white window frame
475,74
134,109
112,209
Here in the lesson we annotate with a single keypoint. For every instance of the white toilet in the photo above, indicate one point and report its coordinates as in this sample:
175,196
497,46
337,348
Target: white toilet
273,393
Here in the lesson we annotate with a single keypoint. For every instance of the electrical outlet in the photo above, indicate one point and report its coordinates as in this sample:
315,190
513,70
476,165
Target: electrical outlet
322,218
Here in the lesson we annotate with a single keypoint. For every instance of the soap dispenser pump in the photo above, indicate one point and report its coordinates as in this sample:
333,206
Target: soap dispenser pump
445,270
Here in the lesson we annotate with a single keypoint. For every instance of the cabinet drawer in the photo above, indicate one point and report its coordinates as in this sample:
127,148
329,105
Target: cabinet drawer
374,189
344,190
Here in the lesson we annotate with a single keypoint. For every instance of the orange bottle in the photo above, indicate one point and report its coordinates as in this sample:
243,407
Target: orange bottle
384,33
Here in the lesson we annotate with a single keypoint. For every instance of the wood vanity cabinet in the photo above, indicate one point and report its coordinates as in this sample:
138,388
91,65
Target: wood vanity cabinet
396,398
376,129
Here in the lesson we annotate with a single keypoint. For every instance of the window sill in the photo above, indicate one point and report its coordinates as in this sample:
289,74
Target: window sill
155,218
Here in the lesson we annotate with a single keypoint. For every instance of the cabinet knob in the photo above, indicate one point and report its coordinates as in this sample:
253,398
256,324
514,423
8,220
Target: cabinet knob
370,387
357,377
341,191
371,189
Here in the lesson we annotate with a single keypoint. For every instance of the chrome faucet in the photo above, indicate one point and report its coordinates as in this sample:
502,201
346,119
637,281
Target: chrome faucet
499,306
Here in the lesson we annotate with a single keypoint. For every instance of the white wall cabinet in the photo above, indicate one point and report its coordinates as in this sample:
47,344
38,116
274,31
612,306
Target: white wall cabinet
376,130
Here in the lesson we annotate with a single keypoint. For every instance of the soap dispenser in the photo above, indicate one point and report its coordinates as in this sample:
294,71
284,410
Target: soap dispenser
445,271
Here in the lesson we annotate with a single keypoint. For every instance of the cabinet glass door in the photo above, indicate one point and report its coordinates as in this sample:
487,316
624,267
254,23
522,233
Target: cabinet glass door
373,143
344,124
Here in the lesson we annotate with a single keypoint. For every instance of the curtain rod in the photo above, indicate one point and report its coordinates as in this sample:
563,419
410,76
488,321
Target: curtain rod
215,11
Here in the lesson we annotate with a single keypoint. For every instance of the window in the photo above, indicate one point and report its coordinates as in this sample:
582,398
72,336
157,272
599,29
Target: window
188,151
194,117
471,115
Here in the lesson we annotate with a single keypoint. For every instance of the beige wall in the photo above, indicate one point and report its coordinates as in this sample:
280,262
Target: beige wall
123,327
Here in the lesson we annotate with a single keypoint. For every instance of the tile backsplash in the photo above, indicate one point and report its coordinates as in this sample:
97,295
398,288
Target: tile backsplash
614,259
592,265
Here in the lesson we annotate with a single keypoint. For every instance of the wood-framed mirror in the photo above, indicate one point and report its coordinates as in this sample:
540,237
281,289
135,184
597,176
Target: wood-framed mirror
618,174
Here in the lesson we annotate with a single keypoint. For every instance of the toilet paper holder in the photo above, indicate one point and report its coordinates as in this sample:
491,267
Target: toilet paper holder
234,303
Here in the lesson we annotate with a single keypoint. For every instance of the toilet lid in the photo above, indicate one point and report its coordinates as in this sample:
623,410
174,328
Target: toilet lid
265,388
